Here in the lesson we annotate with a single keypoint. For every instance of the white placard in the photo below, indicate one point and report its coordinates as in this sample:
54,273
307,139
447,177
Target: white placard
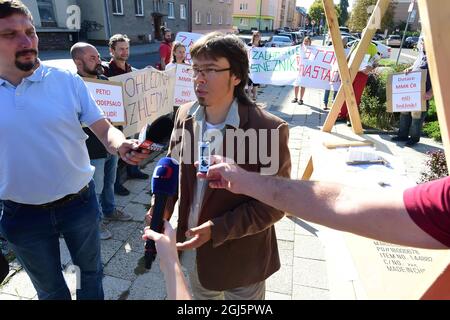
108,96
184,85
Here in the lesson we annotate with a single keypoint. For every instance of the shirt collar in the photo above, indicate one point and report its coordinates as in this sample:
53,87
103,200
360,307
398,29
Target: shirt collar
38,74
232,119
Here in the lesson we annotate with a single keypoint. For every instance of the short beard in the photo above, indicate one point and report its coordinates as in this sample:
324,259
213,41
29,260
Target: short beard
96,72
29,65
25,66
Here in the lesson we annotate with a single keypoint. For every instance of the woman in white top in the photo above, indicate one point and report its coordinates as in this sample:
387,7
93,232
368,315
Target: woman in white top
306,43
178,54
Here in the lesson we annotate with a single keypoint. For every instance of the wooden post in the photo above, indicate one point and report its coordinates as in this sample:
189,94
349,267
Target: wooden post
360,51
347,82
435,16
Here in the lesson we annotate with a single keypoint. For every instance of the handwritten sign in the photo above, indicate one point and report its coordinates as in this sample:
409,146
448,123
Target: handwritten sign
184,85
405,93
310,66
148,94
108,95
187,38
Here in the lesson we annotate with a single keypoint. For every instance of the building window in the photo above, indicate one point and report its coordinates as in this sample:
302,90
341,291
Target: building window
183,11
157,5
220,19
139,7
171,11
117,6
198,17
244,22
208,18
46,12
243,6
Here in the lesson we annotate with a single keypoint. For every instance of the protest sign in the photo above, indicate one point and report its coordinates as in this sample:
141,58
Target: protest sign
310,66
184,85
188,38
405,92
148,94
108,96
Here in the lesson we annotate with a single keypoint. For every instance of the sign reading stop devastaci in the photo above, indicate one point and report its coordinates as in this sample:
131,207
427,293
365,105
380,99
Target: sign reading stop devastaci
405,92
108,95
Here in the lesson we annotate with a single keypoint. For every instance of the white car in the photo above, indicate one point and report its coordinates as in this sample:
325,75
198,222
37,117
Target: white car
394,40
383,50
279,41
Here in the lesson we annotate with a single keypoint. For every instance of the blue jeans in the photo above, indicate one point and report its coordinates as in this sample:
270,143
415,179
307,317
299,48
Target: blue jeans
104,178
33,234
411,127
326,96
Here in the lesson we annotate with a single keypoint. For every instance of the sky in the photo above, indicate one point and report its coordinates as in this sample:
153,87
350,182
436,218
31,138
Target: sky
307,3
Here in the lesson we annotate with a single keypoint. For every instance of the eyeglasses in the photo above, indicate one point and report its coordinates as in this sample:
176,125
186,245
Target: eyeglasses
207,72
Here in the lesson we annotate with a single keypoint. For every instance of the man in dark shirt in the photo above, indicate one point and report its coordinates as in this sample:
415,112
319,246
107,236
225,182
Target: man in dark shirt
119,47
87,60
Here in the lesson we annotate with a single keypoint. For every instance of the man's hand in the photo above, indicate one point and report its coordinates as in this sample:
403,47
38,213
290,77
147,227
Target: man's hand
200,235
367,69
223,173
130,153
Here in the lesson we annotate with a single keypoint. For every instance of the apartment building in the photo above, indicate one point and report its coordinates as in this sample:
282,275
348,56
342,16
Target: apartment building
254,15
212,15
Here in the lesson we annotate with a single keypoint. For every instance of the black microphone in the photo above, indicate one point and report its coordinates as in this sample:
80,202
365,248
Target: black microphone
164,185
153,137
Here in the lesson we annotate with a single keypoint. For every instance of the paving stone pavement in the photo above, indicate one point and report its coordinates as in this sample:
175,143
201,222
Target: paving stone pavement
303,273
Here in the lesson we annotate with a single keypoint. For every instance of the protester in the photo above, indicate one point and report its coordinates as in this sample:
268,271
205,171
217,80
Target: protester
306,43
229,241
87,60
119,48
326,98
178,55
46,183
410,127
165,48
254,43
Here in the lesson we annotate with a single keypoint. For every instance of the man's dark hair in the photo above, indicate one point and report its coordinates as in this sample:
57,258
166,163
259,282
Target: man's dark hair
11,7
118,38
216,45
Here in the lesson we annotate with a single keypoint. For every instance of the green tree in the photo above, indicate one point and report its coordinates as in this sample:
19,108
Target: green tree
360,15
316,11
343,13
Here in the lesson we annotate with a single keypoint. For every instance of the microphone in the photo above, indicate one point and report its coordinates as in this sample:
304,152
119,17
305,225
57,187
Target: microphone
164,184
153,137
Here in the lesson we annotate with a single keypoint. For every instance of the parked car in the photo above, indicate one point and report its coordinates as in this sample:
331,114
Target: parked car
345,40
411,42
344,29
296,36
291,36
279,41
378,37
394,40
383,50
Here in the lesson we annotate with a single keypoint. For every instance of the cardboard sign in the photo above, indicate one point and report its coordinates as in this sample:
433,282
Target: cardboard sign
108,95
184,85
405,93
148,94
187,38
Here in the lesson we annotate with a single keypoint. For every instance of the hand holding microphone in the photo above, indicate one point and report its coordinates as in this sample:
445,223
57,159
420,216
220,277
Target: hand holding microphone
164,185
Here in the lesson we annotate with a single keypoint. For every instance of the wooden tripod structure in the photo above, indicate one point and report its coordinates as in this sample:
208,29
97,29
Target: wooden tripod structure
438,51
